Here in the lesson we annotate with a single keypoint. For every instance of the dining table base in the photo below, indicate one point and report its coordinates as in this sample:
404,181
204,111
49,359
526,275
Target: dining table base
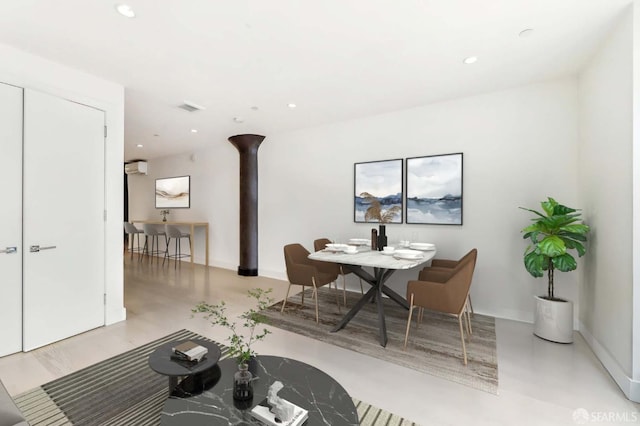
378,288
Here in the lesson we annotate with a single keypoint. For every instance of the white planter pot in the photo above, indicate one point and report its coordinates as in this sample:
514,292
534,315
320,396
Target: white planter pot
553,320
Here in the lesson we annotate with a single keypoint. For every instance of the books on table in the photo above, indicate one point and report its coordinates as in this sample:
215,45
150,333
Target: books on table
190,351
261,413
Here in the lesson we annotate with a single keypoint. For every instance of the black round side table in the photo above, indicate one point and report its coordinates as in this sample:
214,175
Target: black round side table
160,361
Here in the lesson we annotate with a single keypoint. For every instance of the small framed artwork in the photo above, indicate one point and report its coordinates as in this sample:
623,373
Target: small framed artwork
378,196
173,192
434,189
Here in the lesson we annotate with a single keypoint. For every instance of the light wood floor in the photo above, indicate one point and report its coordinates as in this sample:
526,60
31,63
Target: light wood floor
540,383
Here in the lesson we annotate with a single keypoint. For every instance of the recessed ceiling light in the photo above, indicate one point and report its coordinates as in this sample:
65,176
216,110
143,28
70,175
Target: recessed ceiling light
125,10
470,60
526,33
254,108
194,130
139,145
238,119
292,105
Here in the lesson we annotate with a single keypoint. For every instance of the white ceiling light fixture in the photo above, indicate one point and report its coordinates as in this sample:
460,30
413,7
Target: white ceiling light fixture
527,32
125,10
292,105
139,145
194,130
470,60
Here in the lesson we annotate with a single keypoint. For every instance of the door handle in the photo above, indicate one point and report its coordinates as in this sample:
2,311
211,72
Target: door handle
36,249
9,250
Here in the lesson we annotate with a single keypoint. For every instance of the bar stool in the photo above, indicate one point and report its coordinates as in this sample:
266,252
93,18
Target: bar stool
173,231
131,231
154,232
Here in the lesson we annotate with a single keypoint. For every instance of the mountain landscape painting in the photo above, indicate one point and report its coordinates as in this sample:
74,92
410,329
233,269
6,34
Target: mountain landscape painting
434,189
173,192
378,195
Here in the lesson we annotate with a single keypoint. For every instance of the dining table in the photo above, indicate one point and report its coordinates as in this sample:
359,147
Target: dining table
384,265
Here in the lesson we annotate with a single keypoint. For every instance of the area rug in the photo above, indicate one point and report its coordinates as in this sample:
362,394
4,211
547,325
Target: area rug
124,391
434,347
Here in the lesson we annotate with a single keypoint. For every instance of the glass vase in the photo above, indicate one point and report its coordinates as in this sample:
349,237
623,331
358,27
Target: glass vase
242,383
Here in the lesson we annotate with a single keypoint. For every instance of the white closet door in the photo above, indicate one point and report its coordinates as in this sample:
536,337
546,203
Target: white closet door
11,219
64,216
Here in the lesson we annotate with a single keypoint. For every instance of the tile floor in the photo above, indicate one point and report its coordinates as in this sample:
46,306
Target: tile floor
541,383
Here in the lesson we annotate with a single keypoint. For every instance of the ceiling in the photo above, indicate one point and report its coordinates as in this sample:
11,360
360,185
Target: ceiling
335,59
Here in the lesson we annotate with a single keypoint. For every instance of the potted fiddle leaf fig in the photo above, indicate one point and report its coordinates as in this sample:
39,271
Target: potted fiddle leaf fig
554,234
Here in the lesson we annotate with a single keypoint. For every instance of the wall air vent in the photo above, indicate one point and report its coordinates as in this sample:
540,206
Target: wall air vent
191,106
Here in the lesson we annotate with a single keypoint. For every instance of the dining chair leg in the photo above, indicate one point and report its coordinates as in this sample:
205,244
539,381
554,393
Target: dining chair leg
469,330
302,295
145,248
287,296
166,253
406,335
315,292
344,287
470,304
337,295
464,348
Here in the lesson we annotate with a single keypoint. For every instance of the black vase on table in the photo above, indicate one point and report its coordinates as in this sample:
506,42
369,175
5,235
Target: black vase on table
382,237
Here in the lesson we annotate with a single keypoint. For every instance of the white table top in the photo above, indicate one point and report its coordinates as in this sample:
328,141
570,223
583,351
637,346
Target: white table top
375,259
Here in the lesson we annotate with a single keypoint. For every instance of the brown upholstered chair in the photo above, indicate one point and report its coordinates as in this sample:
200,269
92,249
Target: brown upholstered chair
441,269
305,272
321,244
449,297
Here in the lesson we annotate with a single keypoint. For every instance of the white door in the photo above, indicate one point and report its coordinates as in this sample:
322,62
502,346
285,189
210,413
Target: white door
11,219
63,216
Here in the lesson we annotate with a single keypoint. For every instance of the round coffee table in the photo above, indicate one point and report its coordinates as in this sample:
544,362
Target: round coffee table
306,386
160,361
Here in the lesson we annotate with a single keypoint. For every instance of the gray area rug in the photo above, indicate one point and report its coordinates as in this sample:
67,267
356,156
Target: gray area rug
434,347
124,391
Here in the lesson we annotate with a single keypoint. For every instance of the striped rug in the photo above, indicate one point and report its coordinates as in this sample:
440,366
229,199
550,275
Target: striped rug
124,391
434,347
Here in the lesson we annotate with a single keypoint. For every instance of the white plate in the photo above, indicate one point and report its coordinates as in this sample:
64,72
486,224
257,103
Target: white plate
422,246
359,241
388,253
408,252
408,256
350,252
336,247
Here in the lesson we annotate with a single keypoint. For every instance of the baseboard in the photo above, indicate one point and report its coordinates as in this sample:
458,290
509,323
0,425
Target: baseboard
629,386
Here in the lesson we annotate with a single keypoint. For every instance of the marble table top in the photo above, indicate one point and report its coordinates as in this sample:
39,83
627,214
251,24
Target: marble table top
306,386
375,259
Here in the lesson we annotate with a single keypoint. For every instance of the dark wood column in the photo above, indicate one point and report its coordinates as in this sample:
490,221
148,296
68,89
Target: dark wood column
247,146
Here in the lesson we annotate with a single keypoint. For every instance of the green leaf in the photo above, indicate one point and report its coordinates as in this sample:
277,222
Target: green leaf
573,236
532,211
535,263
560,209
564,263
552,246
548,206
576,229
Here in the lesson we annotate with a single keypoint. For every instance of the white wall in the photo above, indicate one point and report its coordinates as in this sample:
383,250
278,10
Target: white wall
519,146
25,70
606,194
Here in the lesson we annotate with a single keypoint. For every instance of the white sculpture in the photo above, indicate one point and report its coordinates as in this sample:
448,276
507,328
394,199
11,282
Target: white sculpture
282,408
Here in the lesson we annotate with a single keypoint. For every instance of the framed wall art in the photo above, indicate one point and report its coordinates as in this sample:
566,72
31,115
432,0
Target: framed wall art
378,195
434,189
173,192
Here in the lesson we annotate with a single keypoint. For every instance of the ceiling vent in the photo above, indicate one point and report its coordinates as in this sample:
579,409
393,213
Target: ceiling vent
191,106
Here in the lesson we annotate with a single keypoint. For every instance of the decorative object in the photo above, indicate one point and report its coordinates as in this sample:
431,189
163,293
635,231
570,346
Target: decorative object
240,344
242,383
276,411
552,234
434,189
92,396
382,238
173,192
439,356
247,145
164,214
378,193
